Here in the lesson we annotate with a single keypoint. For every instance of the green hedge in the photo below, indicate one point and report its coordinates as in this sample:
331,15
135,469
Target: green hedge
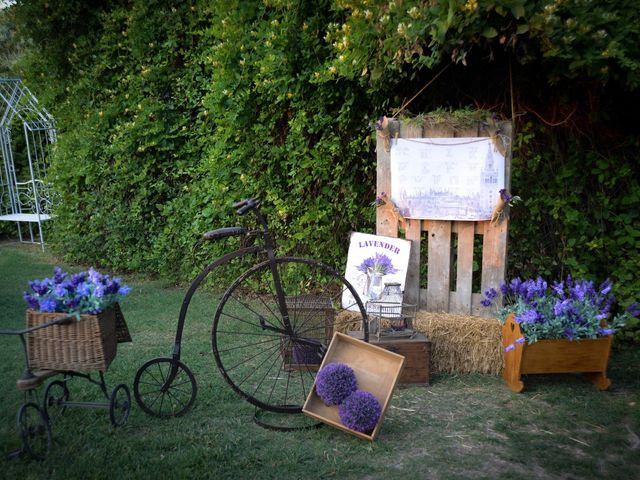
171,110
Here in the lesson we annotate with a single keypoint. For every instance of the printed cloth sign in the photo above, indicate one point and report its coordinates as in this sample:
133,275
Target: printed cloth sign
372,262
446,178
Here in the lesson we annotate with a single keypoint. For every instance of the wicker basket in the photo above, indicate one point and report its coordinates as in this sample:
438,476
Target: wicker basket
89,344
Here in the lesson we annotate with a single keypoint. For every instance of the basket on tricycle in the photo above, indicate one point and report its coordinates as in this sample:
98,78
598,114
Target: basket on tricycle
60,344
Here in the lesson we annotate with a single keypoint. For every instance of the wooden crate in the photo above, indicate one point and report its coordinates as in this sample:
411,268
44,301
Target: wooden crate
377,371
416,351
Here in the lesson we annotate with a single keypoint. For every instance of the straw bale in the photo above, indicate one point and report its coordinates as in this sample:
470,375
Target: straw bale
462,343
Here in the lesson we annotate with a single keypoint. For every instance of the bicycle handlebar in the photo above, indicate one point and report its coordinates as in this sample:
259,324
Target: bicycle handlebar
243,206
59,321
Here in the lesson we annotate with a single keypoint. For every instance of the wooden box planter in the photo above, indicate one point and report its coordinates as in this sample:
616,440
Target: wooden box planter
587,356
377,371
88,344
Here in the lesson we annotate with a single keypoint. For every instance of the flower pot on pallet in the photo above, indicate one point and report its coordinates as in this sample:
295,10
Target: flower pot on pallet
587,356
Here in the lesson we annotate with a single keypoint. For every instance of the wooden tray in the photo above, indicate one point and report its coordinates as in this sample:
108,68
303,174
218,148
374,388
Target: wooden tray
377,371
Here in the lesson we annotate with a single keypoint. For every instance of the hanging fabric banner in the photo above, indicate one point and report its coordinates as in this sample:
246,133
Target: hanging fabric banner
446,178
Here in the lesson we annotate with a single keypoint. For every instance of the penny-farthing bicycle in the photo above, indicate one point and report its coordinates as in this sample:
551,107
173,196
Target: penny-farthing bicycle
270,331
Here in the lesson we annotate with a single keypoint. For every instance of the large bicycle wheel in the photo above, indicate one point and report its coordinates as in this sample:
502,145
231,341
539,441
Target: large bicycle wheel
271,361
165,387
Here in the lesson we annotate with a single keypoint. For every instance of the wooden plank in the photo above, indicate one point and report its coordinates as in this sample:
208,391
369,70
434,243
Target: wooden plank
412,283
465,230
464,270
386,222
439,268
439,246
494,252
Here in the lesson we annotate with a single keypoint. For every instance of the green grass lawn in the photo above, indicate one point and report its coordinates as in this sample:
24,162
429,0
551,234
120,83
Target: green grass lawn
466,426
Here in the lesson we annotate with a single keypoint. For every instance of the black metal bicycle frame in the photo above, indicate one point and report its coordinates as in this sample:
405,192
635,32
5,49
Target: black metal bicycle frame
269,249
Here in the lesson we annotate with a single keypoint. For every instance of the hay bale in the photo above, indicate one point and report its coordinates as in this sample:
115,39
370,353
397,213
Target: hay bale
462,343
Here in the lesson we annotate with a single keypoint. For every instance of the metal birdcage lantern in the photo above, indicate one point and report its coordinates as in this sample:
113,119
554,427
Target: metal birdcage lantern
390,316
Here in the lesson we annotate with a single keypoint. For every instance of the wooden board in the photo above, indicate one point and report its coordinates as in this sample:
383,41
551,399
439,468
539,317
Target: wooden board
439,268
377,371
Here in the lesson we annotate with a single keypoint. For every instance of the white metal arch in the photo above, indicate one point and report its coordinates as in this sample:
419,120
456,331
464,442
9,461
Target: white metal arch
25,198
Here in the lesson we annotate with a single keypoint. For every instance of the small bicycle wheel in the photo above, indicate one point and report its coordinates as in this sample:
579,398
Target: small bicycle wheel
165,387
55,396
35,430
119,405
272,361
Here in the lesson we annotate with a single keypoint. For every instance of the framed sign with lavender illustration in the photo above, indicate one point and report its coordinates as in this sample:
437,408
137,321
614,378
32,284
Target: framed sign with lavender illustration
372,262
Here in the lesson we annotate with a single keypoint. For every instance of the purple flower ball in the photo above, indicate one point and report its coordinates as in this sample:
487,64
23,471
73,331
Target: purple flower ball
360,411
335,382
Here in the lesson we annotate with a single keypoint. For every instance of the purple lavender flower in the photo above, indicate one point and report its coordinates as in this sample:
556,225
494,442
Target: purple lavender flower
59,290
606,331
83,290
335,382
360,411
569,333
58,275
124,290
86,292
505,195
606,287
558,289
94,276
520,340
112,286
561,307
516,286
529,316
634,309
72,303
99,291
47,305
40,286
379,264
509,347
33,302
78,278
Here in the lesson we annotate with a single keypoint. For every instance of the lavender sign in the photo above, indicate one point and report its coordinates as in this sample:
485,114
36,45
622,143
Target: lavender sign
372,262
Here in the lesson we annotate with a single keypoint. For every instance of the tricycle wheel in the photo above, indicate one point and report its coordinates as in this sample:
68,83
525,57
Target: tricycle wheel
35,430
120,405
165,387
55,396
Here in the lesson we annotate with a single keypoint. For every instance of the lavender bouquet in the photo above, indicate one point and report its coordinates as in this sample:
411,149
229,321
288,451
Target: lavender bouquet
571,309
85,292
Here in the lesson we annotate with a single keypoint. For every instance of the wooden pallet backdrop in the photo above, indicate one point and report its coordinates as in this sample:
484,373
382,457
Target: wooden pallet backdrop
441,261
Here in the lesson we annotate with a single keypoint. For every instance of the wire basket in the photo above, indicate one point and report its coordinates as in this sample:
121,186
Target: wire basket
391,319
